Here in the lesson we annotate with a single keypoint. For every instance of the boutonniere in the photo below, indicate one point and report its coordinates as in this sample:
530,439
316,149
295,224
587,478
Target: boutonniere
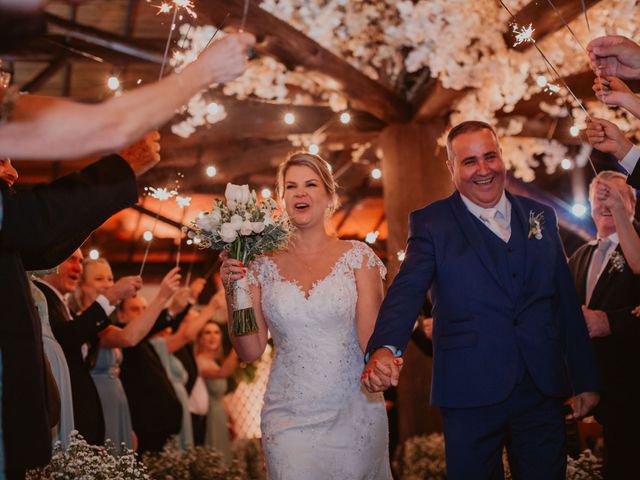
535,225
617,262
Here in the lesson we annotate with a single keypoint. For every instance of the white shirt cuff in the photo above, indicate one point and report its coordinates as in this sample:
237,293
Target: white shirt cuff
396,352
630,160
106,306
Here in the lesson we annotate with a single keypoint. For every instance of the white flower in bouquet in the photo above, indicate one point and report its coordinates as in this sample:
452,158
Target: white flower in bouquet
247,229
228,233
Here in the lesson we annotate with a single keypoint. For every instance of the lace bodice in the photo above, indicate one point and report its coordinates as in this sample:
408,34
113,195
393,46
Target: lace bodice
315,336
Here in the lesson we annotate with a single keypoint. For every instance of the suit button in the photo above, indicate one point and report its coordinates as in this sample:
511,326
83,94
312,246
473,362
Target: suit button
509,250
515,322
514,275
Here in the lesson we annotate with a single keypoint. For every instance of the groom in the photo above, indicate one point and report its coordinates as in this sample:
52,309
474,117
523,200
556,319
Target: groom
510,341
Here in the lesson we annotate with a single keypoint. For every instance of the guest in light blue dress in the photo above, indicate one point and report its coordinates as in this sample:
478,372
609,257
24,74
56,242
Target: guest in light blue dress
59,368
117,419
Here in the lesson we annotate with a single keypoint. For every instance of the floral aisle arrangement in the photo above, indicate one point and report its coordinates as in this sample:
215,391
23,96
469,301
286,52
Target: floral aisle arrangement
247,229
423,458
83,461
195,463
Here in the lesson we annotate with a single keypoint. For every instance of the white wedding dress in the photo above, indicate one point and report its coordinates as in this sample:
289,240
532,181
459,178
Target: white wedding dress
318,423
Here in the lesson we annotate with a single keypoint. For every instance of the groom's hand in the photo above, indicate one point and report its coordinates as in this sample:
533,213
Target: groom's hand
382,371
583,403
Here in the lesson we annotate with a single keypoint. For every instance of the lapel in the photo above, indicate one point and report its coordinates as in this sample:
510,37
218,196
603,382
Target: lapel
582,269
474,237
606,279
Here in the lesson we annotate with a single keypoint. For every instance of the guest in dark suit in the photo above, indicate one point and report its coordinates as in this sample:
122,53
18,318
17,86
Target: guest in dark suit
39,229
75,330
509,339
156,412
609,291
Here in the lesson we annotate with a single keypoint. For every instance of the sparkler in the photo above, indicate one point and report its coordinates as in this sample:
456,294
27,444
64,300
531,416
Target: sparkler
166,7
183,203
525,35
161,194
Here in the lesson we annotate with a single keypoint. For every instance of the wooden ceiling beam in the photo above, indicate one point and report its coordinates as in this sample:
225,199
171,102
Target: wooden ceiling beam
44,75
544,19
291,47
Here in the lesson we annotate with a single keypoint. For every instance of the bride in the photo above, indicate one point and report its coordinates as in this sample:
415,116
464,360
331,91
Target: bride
319,298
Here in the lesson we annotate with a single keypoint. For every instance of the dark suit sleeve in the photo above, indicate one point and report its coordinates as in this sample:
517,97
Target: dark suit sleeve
634,178
406,295
46,224
579,356
82,329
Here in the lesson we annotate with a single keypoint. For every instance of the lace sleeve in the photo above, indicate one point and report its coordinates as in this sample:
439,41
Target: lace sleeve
361,256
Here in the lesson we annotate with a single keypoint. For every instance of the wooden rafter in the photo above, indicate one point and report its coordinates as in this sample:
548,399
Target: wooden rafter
544,19
294,49
44,75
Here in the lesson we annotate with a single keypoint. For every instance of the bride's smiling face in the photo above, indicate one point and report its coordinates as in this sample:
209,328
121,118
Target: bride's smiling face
305,197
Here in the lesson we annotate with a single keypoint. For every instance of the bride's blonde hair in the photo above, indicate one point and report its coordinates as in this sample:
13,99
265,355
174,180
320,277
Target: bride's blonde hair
319,166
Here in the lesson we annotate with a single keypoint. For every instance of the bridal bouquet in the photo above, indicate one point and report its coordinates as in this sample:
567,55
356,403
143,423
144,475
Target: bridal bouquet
247,229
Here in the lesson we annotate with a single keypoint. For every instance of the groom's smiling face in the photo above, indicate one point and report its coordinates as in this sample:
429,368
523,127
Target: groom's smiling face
476,167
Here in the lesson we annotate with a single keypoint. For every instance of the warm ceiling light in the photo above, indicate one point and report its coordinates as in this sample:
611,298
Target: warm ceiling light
566,164
148,235
113,83
376,174
289,118
94,254
211,171
345,117
314,149
579,210
265,193
371,237
574,131
213,108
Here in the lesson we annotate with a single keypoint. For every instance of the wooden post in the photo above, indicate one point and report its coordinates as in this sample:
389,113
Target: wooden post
414,174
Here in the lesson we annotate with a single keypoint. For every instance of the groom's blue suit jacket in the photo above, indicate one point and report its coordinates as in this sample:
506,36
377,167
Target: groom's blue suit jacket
486,326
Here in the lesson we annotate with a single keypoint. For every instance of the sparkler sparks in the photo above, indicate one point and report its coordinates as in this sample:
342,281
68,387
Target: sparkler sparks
161,194
163,8
523,34
183,201
167,7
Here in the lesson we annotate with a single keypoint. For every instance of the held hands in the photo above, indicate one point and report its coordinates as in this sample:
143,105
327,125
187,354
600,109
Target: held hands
231,270
614,55
382,371
126,287
226,59
607,137
583,403
144,154
170,283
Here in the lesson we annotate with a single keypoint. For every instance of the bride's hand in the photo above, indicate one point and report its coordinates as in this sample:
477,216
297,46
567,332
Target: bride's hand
230,270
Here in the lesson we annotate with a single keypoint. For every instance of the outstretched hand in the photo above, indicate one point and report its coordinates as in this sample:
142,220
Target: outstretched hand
615,55
382,371
607,137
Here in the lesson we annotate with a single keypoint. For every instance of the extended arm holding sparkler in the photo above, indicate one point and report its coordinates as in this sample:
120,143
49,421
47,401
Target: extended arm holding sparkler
614,92
608,138
53,128
615,55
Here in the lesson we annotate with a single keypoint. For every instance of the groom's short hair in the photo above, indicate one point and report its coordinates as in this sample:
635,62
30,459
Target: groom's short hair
467,127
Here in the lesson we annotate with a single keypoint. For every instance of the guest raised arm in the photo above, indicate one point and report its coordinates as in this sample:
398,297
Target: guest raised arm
615,55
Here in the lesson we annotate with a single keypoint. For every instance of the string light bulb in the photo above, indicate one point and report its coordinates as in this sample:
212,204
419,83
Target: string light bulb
113,83
314,149
574,131
211,171
94,254
376,174
579,210
265,193
566,164
289,118
541,81
213,108
371,237
345,117
148,235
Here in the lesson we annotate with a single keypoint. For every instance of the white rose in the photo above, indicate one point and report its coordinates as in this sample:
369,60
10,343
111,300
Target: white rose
231,193
258,227
228,233
244,195
236,222
246,228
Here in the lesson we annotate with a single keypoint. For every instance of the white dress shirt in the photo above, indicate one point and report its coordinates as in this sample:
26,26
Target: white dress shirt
630,160
503,216
102,301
